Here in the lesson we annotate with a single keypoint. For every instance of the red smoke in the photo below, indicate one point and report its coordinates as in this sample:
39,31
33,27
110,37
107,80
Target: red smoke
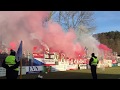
22,25
57,40
104,47
79,51
55,37
12,45
35,48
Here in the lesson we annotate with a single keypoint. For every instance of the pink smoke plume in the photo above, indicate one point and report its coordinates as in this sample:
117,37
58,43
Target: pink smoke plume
30,25
104,47
13,45
105,50
38,34
57,39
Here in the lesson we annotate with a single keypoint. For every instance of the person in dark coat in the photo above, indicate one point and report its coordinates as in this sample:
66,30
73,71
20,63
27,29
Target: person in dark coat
11,66
93,65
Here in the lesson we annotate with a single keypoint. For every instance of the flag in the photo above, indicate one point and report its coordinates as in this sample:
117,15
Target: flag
19,52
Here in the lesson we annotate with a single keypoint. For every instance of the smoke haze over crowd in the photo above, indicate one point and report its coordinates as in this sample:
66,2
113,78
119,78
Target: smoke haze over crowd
33,29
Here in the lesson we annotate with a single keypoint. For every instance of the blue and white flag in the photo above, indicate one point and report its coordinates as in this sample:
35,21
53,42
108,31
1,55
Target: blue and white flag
19,52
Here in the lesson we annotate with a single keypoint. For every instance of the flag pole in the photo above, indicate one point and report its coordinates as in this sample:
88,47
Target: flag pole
19,57
21,68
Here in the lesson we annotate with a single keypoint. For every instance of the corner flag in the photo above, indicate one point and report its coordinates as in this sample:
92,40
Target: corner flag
19,52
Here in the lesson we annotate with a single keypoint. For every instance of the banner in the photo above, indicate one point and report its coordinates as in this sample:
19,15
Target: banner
49,59
34,69
2,71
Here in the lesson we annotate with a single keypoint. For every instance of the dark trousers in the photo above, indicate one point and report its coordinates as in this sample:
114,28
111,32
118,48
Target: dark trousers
93,71
11,74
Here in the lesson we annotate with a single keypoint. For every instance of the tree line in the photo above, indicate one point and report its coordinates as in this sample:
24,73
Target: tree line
110,39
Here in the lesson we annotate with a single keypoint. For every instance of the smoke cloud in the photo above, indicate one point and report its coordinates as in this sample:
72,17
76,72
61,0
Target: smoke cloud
19,25
31,27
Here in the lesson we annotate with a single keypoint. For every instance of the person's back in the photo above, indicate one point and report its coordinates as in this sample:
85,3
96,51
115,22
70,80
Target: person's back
11,66
93,60
93,64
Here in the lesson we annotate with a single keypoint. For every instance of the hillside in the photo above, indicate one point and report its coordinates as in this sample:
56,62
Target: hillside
111,39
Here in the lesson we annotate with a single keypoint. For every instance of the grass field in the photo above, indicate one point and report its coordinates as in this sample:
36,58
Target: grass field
108,73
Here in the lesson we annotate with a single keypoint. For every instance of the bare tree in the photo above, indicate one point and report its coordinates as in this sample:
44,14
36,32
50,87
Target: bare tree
73,19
